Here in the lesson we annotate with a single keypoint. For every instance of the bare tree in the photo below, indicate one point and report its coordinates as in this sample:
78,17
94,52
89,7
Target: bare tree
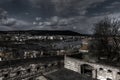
106,43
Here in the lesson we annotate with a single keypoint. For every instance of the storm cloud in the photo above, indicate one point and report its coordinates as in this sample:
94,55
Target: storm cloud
76,15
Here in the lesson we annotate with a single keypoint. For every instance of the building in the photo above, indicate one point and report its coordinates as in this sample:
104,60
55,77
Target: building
98,71
29,69
85,46
25,44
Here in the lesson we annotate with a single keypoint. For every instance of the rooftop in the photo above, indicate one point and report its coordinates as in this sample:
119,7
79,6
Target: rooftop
65,74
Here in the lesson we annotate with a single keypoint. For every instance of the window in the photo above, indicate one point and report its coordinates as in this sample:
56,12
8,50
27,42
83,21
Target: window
109,71
100,69
109,79
18,73
118,73
5,75
38,68
28,70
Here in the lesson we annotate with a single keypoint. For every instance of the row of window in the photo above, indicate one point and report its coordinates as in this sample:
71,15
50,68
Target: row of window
109,71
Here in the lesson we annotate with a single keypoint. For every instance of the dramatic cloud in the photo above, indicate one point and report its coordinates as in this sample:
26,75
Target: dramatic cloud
113,5
65,7
13,24
76,15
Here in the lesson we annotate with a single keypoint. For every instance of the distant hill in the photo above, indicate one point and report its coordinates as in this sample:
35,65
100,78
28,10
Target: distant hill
45,32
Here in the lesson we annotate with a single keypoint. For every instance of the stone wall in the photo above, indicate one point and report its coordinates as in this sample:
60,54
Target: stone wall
27,72
99,71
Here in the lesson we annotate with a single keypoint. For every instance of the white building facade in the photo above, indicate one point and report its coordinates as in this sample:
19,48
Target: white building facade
97,71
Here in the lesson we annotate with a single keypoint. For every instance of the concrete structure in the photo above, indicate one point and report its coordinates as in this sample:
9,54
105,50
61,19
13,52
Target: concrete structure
27,72
95,70
29,69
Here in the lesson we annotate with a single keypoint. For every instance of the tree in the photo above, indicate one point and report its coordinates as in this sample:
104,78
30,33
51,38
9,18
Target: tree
106,41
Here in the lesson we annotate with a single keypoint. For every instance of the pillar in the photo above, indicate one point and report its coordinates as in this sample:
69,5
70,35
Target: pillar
114,75
80,69
94,73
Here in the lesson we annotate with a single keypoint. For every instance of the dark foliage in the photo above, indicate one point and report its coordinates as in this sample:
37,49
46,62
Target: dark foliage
106,44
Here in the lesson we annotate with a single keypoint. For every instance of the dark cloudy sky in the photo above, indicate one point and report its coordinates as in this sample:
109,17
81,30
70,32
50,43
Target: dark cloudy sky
76,15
